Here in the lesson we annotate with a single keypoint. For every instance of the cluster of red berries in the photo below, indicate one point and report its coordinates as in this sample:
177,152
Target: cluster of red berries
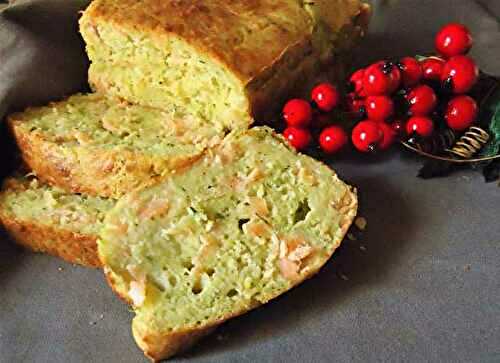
301,115
417,88
392,99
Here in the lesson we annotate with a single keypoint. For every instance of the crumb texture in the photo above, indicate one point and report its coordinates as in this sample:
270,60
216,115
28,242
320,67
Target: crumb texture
47,219
105,147
245,223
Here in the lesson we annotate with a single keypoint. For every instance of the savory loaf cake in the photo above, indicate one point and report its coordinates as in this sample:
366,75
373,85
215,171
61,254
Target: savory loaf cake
224,60
49,220
96,145
245,223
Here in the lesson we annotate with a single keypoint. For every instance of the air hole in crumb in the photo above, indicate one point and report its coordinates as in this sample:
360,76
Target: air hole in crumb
187,265
301,212
210,271
241,222
232,292
196,289
172,280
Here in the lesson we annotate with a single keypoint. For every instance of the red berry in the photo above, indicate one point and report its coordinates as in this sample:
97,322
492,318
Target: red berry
356,82
461,113
420,125
332,139
433,68
298,138
453,39
379,108
325,96
422,100
367,135
389,136
297,113
461,73
411,71
396,79
381,78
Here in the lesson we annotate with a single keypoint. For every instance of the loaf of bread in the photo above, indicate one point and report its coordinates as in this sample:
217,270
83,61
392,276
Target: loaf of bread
49,220
96,145
225,61
245,223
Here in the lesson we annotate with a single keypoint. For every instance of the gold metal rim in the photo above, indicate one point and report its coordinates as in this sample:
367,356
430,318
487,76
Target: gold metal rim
451,160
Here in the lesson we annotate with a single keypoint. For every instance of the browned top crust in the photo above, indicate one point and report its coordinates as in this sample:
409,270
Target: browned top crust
247,36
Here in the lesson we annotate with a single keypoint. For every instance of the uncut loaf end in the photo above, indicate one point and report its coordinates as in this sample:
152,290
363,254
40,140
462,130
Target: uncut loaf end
48,220
226,61
248,221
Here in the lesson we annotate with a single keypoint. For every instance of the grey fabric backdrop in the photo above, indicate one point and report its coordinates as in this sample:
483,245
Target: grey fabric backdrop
421,284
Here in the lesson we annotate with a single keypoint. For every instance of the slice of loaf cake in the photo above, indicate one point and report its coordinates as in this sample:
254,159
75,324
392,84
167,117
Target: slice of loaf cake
49,220
226,61
96,145
245,223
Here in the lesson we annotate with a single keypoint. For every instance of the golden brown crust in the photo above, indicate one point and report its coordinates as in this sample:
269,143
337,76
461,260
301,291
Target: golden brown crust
162,346
213,27
261,42
72,247
158,345
92,171
112,283
247,36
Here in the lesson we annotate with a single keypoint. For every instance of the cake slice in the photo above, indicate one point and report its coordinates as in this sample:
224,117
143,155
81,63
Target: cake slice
99,146
49,220
226,61
244,224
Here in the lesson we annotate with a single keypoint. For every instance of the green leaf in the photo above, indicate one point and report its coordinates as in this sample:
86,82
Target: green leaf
493,146
490,120
421,58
